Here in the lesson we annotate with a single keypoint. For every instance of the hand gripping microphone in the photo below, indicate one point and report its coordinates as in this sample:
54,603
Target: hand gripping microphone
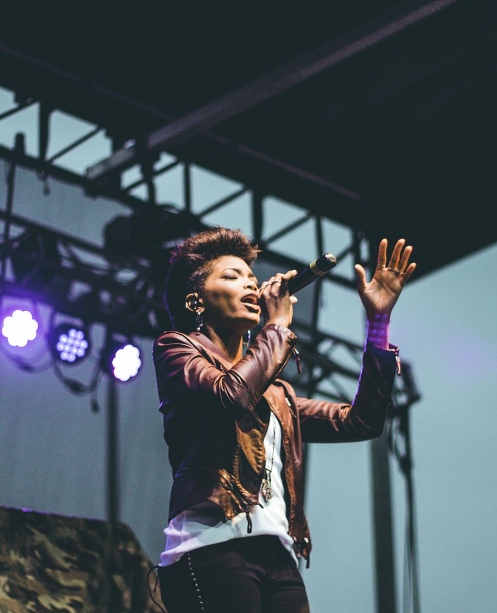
311,273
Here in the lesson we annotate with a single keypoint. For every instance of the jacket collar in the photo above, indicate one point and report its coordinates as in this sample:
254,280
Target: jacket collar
206,342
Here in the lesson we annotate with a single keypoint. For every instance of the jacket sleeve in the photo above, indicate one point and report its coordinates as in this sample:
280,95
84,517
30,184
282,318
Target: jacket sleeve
324,422
184,371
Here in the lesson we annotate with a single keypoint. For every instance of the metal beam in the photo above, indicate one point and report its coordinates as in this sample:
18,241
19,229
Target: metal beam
384,568
21,106
129,310
278,81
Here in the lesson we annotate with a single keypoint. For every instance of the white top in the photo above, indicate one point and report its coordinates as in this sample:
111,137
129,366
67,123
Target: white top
193,529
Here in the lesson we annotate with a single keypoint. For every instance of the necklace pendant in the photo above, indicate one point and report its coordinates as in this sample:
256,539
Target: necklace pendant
267,492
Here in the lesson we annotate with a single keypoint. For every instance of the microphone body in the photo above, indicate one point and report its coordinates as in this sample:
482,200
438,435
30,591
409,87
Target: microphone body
311,273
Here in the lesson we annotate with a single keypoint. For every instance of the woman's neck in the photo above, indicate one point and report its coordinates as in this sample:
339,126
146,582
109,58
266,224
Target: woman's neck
230,344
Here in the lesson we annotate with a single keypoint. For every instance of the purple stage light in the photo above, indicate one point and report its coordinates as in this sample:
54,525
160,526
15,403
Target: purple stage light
70,343
19,328
126,362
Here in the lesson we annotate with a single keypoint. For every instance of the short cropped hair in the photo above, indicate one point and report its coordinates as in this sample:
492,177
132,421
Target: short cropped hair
190,265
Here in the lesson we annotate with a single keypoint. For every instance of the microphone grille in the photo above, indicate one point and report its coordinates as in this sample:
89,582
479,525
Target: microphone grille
331,259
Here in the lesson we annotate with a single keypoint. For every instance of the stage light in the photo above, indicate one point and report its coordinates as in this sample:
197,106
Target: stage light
19,328
69,343
121,359
126,362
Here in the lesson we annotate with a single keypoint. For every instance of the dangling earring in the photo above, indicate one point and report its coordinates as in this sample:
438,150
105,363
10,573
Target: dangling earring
192,304
246,339
199,322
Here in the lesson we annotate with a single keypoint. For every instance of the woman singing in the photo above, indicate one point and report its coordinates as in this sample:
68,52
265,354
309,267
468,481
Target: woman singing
235,430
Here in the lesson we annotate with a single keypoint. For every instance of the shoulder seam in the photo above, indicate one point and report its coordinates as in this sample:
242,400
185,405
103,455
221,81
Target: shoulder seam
181,335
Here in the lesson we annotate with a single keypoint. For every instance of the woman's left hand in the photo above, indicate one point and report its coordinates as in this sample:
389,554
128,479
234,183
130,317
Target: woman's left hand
276,303
382,292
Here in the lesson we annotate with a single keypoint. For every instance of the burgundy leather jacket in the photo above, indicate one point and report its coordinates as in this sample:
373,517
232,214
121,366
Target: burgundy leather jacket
216,416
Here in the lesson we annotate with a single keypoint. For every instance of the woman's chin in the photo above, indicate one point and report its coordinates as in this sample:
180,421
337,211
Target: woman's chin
237,325
254,321
248,323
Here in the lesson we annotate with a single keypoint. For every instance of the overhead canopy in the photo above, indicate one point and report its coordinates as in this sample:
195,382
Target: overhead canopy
379,115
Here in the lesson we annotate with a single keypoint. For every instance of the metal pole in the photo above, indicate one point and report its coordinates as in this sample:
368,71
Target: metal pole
112,451
187,187
383,532
11,176
112,592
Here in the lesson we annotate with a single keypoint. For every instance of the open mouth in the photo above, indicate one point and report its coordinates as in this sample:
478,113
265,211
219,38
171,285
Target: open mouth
251,300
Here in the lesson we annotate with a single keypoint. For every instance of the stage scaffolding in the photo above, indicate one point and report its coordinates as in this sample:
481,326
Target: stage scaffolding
133,305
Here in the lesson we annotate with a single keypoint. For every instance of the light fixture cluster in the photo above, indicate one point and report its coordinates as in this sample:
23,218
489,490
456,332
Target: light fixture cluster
69,342
121,292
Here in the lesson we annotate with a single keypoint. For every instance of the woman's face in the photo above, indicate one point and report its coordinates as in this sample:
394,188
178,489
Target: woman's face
230,296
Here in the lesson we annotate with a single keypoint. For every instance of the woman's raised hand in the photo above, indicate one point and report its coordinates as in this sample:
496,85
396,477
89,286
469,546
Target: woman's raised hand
382,292
276,303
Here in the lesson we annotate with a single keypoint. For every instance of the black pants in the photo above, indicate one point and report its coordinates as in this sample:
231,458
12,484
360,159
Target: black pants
249,575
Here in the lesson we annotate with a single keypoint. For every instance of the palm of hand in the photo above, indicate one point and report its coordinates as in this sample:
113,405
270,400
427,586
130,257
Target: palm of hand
382,292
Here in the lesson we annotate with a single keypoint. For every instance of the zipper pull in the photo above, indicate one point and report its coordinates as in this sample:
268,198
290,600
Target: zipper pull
290,407
249,521
399,367
296,355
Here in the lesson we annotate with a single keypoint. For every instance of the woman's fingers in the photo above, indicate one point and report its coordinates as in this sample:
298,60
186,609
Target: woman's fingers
268,285
409,271
399,260
405,259
361,276
278,283
395,258
284,280
382,254
275,300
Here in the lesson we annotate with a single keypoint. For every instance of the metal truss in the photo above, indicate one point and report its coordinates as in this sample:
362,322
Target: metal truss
87,282
124,292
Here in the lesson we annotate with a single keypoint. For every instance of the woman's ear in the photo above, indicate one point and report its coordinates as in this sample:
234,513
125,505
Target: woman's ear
193,302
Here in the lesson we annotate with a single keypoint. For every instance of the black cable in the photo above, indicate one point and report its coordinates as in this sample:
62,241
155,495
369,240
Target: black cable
22,364
77,387
152,592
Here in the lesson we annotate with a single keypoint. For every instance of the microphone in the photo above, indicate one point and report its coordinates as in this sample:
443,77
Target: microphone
312,272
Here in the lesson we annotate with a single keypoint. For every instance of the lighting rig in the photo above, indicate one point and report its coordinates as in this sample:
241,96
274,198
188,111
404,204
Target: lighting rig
44,269
85,285
120,286
53,294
